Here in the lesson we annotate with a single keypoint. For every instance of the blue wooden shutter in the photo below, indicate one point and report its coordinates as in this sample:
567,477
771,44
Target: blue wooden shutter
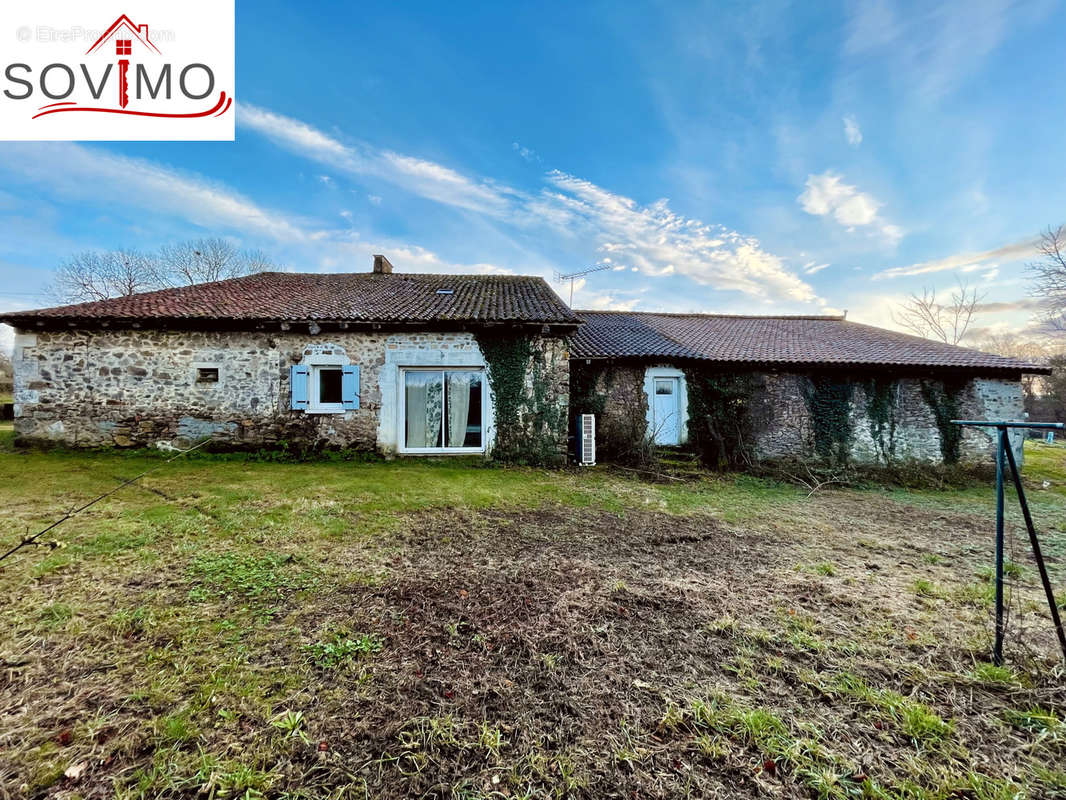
298,380
350,386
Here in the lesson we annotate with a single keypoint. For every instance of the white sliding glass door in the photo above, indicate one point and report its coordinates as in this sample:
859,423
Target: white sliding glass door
443,410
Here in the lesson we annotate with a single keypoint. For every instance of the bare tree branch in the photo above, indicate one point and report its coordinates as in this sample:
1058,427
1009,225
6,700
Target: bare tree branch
927,317
116,273
211,259
98,276
1049,278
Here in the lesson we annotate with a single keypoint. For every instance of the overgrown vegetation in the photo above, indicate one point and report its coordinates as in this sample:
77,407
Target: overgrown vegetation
530,422
881,395
722,416
828,399
341,648
622,435
249,629
943,398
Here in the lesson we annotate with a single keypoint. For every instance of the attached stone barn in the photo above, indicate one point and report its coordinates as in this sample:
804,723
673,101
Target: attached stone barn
744,389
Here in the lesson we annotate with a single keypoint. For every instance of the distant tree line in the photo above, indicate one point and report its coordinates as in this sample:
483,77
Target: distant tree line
99,275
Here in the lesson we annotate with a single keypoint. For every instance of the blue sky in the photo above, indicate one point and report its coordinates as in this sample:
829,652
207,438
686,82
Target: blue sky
731,157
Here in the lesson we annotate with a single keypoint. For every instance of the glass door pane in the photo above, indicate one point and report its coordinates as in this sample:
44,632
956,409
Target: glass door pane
462,410
424,401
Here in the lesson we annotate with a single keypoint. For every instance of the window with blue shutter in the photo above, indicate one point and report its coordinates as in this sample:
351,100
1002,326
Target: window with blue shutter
350,386
298,381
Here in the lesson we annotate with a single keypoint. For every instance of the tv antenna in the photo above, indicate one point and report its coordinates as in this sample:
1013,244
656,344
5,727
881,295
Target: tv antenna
573,276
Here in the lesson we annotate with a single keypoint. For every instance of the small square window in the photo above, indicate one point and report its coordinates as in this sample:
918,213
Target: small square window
123,47
207,374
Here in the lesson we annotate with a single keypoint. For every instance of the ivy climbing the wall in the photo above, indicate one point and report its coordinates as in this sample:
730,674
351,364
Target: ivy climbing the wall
530,424
586,396
943,398
722,417
881,394
828,400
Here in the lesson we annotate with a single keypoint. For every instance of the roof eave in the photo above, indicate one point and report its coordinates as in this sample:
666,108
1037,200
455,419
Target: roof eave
46,322
983,369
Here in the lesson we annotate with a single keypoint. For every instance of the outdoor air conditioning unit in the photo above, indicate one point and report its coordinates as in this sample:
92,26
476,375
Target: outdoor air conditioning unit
586,439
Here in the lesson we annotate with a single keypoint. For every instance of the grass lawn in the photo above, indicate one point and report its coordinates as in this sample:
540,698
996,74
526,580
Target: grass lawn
244,629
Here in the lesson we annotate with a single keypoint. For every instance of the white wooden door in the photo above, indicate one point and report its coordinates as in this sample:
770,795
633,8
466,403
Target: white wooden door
666,413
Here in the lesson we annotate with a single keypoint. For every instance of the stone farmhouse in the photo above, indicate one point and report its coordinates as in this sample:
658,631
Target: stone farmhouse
408,364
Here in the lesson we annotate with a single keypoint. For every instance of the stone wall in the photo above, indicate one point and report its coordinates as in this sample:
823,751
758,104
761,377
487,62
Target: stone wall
906,429
909,433
615,394
139,387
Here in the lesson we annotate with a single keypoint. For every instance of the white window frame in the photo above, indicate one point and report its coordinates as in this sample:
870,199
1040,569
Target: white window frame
315,360
402,416
314,405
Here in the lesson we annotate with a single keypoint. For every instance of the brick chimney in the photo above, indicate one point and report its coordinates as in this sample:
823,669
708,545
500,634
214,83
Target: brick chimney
382,265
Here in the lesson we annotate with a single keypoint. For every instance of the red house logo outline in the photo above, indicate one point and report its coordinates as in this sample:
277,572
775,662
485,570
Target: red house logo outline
139,32
123,49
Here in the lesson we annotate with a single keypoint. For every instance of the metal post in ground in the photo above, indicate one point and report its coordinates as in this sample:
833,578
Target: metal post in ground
997,652
1037,552
1005,458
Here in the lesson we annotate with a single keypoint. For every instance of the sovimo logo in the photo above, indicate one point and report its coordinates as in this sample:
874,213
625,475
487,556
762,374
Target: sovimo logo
167,76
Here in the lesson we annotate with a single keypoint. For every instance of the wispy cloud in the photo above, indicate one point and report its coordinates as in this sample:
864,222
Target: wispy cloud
650,238
965,262
1024,304
78,172
525,152
931,48
422,177
660,242
828,195
813,268
852,131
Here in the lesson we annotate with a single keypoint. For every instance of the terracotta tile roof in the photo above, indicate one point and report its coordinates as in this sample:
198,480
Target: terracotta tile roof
808,341
360,297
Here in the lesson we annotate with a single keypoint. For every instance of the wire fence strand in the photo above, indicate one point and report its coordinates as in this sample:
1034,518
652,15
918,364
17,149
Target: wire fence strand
26,541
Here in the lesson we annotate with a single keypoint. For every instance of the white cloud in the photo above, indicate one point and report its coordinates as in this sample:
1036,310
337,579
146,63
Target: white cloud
525,152
965,262
659,242
811,268
650,238
419,176
852,131
606,302
78,172
827,194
